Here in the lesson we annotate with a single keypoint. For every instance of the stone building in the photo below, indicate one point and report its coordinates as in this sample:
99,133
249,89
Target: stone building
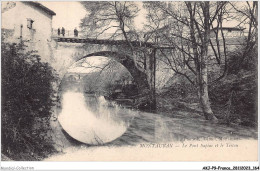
28,21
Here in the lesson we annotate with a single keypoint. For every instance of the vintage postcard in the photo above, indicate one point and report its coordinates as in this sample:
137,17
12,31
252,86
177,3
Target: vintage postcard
129,81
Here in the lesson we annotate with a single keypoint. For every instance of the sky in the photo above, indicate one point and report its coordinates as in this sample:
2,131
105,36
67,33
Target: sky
68,14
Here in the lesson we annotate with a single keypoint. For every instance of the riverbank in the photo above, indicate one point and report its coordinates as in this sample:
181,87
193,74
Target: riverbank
175,108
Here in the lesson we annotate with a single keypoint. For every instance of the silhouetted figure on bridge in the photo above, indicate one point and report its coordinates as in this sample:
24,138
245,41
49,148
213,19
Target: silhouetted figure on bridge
63,31
76,33
58,31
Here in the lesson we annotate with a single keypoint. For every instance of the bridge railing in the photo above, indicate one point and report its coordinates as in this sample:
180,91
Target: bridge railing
82,34
162,43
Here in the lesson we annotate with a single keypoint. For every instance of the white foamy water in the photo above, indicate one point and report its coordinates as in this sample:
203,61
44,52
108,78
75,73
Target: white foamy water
86,125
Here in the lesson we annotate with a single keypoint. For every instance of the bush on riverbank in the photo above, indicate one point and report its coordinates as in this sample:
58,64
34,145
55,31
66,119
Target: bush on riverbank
233,98
27,100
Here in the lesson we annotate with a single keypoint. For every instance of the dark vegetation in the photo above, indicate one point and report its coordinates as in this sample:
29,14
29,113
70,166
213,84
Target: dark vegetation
233,98
27,101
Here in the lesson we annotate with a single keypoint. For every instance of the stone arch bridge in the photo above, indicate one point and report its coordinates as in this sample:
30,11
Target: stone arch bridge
67,50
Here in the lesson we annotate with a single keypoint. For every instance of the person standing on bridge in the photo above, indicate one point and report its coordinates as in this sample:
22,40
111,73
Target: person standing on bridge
76,33
63,31
58,31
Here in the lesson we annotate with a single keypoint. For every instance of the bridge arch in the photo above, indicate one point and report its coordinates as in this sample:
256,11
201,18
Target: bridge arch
65,53
139,77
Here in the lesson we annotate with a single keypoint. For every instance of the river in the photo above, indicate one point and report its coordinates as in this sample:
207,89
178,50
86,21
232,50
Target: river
87,123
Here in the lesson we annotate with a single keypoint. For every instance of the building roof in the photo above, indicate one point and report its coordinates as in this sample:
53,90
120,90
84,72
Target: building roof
40,6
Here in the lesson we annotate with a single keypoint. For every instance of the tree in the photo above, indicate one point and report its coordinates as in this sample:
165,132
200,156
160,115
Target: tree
118,17
186,27
27,101
246,14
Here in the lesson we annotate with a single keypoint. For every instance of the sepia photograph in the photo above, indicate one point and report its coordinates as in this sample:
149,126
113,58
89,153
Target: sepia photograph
138,81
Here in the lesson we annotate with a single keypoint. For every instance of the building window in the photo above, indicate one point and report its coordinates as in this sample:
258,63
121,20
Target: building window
29,23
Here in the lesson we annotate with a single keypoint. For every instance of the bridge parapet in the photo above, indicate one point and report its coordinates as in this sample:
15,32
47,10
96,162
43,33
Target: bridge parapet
108,39
102,41
82,34
104,38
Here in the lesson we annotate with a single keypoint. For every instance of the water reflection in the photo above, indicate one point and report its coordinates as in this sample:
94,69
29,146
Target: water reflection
92,119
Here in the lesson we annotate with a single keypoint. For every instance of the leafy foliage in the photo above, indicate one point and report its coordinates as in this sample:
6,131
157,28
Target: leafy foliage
27,100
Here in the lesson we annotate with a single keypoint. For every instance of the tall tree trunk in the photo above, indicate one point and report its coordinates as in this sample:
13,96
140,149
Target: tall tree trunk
203,74
203,91
150,72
